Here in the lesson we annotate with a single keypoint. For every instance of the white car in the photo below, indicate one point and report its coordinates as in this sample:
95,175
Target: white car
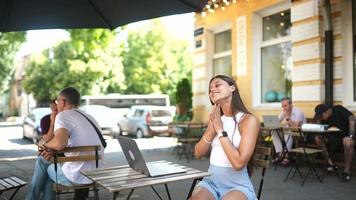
105,116
143,120
32,124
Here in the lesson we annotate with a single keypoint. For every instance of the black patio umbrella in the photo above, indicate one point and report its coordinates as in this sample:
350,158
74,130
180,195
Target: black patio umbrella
21,15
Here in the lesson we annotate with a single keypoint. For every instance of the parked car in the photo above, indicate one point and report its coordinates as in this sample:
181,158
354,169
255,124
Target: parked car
32,124
105,116
142,121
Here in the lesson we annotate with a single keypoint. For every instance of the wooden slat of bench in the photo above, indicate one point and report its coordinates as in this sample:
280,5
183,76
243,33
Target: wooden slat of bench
5,184
263,151
10,183
21,182
79,149
77,158
260,163
59,187
14,184
307,150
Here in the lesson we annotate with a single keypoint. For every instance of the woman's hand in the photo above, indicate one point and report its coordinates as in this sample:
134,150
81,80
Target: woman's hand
215,117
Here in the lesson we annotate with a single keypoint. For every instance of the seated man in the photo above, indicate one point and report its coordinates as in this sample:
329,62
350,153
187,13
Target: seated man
337,116
70,129
292,117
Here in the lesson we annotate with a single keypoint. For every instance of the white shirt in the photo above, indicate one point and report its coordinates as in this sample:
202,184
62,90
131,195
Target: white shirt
81,133
218,156
297,116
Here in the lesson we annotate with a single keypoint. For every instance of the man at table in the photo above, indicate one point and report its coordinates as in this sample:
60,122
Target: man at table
337,116
292,117
70,129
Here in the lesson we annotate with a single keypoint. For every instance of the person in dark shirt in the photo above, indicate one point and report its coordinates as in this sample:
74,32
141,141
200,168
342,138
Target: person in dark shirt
46,121
341,118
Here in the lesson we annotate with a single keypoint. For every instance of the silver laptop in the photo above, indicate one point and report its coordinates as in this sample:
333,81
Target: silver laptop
271,121
135,159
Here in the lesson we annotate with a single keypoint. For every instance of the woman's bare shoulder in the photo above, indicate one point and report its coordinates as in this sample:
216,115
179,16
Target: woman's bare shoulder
250,119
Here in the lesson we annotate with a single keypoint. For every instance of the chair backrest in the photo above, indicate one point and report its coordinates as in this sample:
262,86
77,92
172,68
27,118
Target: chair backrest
260,160
59,158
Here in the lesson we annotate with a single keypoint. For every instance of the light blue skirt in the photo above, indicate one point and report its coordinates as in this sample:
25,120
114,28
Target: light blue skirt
226,179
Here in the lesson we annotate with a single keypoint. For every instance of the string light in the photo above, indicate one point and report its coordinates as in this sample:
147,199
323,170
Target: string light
213,5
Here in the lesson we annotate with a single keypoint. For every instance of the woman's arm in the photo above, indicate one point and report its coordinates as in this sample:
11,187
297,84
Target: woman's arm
202,148
249,130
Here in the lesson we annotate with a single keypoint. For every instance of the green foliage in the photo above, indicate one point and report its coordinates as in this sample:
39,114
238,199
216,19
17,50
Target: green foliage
89,62
9,45
154,62
184,93
146,61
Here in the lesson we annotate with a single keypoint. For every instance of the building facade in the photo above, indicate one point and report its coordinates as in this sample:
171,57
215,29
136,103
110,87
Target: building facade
273,49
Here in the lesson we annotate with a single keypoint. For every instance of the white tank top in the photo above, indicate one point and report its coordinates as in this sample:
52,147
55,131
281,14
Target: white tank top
218,156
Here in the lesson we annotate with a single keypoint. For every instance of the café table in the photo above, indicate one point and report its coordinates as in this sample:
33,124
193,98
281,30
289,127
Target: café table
120,178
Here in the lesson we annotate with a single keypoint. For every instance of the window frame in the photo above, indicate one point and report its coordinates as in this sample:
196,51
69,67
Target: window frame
213,31
347,54
258,44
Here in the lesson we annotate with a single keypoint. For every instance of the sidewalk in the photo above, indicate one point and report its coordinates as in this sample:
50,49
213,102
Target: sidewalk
274,187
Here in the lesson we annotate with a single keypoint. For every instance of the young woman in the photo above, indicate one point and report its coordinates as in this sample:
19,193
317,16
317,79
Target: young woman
231,137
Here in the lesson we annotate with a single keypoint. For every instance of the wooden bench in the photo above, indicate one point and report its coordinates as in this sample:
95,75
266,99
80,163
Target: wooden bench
11,183
78,189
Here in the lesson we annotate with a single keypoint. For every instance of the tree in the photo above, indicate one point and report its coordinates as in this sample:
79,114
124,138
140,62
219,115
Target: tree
184,93
154,62
89,61
9,45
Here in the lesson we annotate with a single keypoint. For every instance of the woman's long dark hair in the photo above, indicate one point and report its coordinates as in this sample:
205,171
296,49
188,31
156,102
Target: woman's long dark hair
236,106
236,101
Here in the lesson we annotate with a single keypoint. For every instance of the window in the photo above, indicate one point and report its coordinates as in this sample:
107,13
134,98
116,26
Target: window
276,59
222,53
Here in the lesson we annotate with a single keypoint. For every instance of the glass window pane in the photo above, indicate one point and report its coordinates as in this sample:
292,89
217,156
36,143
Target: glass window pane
222,66
223,41
276,72
276,25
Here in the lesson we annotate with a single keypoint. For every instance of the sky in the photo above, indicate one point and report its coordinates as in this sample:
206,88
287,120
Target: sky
181,26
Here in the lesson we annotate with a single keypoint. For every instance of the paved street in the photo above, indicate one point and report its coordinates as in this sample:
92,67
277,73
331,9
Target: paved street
17,158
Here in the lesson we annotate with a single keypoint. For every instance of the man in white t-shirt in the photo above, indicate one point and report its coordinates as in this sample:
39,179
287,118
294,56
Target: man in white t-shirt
70,128
292,117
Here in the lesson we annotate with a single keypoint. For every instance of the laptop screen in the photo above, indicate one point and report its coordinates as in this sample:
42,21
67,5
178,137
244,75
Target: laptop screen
271,121
133,155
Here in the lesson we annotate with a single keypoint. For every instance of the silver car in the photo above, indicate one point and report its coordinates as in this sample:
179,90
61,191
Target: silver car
143,121
106,117
32,124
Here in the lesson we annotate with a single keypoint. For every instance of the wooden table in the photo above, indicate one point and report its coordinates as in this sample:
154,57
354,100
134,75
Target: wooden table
121,178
